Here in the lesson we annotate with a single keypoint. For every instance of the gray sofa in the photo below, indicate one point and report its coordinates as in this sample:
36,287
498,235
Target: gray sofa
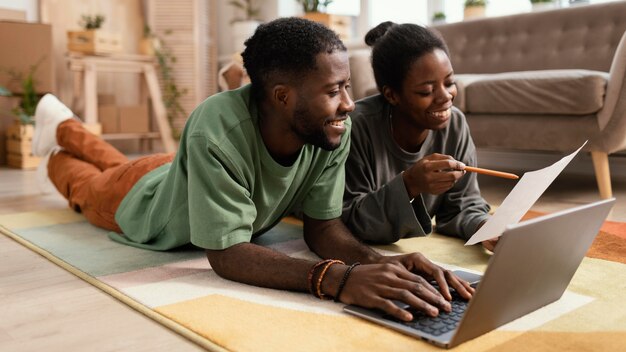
538,81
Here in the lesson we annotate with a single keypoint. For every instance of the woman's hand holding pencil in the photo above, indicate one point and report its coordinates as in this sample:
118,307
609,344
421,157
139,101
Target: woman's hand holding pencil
437,173
433,174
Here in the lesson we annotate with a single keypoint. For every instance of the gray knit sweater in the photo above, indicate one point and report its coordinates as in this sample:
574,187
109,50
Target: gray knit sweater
377,207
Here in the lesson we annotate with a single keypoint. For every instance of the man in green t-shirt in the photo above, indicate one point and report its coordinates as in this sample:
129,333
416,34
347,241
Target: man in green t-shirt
246,159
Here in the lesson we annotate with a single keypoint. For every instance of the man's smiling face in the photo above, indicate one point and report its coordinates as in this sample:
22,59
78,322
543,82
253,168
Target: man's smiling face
323,102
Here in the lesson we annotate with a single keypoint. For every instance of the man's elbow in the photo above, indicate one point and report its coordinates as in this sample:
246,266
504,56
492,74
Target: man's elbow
376,237
217,261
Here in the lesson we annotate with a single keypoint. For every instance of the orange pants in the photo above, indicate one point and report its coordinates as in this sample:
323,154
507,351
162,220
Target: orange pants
94,176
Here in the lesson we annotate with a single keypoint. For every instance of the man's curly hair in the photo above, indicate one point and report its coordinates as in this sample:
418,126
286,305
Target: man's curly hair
285,49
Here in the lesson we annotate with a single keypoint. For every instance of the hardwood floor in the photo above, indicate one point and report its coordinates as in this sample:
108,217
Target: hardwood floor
44,307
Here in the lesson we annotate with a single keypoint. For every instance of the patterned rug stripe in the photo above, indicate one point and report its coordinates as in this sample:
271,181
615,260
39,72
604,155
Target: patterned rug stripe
610,244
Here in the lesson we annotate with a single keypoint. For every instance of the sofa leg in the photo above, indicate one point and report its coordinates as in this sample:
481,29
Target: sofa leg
603,175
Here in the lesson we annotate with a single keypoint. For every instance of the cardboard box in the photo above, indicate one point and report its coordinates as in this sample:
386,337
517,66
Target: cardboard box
12,15
109,118
134,119
93,42
23,45
7,119
106,99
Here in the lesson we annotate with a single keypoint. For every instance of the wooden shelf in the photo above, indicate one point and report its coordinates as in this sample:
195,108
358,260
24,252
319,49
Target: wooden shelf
86,69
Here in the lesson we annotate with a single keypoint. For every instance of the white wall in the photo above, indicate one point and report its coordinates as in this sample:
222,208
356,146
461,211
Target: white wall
269,10
31,7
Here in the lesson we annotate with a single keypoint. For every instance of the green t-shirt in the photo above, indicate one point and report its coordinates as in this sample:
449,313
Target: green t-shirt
223,187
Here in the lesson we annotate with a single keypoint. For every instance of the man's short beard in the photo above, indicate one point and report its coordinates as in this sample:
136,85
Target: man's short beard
309,133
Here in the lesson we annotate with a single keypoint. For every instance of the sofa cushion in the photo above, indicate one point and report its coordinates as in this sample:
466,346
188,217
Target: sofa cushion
462,81
559,92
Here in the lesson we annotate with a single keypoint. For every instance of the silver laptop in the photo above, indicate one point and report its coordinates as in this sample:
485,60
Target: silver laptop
532,266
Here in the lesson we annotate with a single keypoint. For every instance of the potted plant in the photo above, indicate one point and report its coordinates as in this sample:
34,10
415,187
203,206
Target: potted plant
315,10
149,43
438,18
245,23
92,40
91,22
20,135
309,6
171,93
474,9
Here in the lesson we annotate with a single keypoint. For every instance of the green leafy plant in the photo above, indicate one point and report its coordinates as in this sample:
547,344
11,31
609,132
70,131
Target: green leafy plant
171,92
439,16
250,11
540,1
91,22
475,3
25,111
314,5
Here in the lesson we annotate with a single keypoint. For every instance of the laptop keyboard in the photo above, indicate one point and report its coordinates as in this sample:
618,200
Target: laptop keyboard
444,322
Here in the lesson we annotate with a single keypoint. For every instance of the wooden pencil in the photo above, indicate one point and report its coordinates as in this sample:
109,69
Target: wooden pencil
491,172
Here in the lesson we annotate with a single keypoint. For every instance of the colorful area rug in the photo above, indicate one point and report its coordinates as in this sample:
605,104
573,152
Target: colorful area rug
610,244
179,290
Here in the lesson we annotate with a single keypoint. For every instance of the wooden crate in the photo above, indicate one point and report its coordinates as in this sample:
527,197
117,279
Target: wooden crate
23,161
19,144
93,42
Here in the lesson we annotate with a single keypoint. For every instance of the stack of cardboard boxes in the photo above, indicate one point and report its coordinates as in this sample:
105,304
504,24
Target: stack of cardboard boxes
122,119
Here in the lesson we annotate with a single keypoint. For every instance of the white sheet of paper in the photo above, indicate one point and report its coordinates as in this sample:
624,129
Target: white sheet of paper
525,193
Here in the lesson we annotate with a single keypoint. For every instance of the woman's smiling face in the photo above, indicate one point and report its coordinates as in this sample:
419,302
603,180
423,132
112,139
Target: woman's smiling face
425,98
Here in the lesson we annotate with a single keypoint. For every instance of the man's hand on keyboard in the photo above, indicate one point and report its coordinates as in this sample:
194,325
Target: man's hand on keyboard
403,278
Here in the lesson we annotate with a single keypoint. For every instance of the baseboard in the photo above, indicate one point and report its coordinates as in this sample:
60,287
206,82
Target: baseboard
523,161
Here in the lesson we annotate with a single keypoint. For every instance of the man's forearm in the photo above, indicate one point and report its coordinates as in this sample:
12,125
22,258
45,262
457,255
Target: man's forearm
332,239
259,266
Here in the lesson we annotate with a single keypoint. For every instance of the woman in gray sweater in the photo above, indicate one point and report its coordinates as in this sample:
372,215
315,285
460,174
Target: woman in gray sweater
410,145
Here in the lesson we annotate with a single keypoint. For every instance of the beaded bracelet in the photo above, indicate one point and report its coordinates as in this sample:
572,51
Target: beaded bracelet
344,279
312,273
318,291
